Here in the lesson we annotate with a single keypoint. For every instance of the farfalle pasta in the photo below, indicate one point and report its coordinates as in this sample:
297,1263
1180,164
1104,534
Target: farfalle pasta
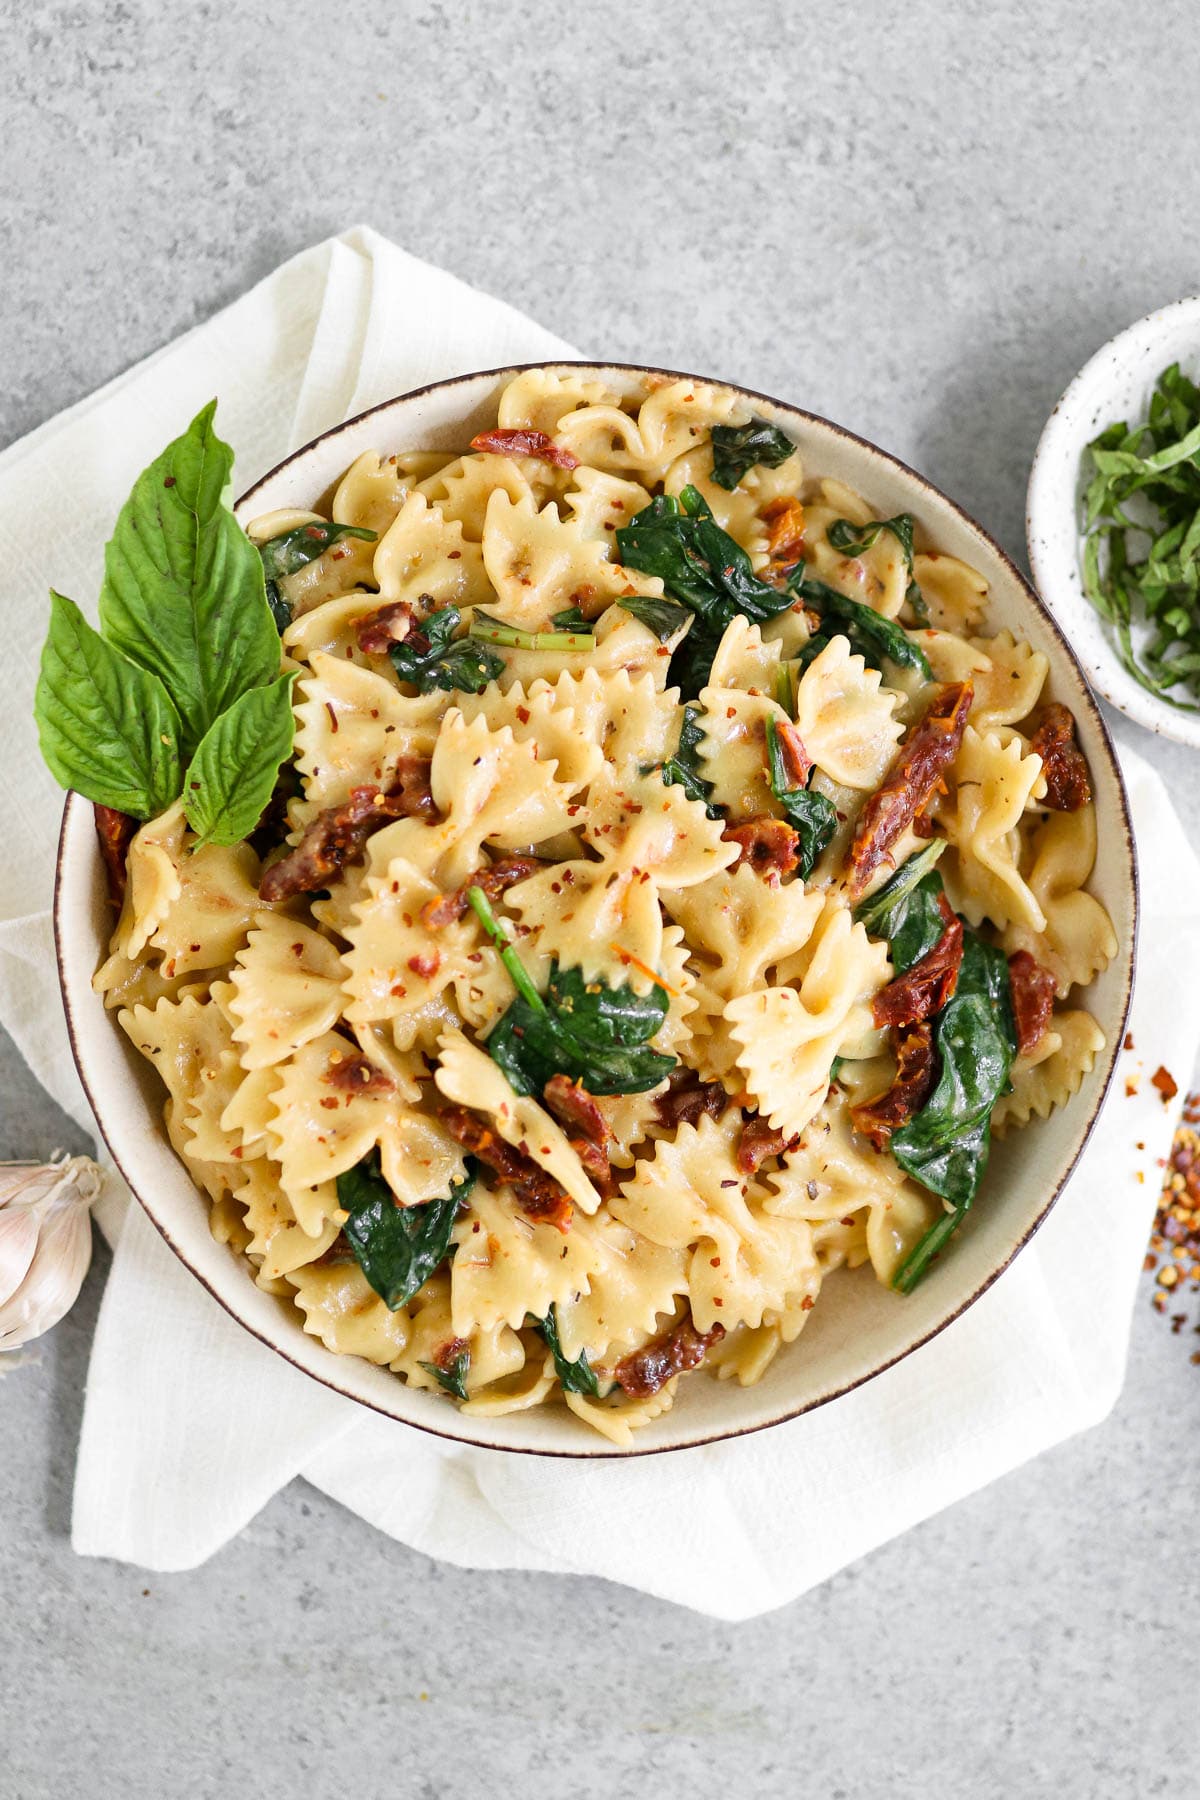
670,890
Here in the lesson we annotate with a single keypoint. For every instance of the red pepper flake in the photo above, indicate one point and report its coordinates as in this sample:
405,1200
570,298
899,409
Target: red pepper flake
1166,1084
1129,1040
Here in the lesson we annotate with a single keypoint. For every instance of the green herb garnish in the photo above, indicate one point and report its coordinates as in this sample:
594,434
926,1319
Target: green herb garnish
904,909
571,618
1142,567
180,690
447,662
494,631
397,1247
292,551
577,1377
812,815
737,448
454,1376
593,1033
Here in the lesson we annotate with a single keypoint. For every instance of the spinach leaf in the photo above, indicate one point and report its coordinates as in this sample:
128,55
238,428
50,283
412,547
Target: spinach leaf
397,1247
814,816
577,1377
856,539
570,619
699,564
662,617
683,769
884,913
183,592
596,1034
871,635
107,727
294,550
453,1378
945,1146
232,776
737,448
448,662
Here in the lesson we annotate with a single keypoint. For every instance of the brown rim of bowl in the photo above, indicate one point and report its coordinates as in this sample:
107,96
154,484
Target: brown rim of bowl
796,1412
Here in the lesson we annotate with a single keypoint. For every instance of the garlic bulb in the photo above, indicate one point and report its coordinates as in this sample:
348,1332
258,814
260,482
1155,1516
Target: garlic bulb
45,1243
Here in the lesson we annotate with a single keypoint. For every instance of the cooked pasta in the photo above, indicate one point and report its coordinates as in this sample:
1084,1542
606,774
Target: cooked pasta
588,998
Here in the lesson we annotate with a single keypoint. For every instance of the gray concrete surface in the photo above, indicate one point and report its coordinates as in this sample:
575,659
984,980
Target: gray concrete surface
919,220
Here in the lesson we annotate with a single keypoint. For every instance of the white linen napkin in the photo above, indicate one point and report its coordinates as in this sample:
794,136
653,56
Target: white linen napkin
169,1466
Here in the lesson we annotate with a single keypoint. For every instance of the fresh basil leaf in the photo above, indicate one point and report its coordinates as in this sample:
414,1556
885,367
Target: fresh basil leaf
595,1034
880,913
855,540
737,448
232,776
292,551
577,1377
871,636
662,617
107,727
449,663
397,1247
813,816
183,591
453,1378
683,769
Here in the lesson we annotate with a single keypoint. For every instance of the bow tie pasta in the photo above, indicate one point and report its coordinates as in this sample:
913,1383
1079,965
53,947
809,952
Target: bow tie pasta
671,891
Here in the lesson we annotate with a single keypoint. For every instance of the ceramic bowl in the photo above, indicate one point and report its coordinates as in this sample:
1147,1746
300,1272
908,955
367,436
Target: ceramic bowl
1115,384
860,1328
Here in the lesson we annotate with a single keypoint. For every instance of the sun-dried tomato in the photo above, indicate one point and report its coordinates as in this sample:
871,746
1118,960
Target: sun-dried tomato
535,1191
115,831
339,835
922,991
915,1074
924,757
646,1370
1033,989
1068,785
768,844
526,443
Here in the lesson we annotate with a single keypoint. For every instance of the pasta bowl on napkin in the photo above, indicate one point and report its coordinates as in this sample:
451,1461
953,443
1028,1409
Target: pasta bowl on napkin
424,521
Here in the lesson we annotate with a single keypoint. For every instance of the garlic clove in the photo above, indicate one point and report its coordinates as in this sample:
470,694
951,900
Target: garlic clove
56,1199
18,1241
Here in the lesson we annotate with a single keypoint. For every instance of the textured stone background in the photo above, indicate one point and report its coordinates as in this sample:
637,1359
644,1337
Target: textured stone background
919,220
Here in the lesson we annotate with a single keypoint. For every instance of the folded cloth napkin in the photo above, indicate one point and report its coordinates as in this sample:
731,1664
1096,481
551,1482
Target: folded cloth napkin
170,1468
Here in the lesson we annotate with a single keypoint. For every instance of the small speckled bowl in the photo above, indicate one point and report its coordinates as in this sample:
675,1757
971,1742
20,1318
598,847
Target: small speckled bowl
1115,384
860,1328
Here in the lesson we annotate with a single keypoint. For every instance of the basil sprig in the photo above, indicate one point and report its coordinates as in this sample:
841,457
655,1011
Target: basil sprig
180,691
737,448
397,1247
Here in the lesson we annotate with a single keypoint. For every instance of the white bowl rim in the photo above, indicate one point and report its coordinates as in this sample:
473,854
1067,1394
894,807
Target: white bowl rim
605,1451
1105,670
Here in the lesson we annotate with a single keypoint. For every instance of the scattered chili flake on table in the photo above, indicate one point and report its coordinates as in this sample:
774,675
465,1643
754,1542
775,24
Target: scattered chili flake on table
1165,1082
1173,1257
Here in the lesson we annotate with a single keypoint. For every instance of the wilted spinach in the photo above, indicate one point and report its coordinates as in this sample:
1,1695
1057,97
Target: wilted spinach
737,448
453,1377
397,1247
293,550
871,635
595,1034
577,1377
447,662
813,816
683,769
